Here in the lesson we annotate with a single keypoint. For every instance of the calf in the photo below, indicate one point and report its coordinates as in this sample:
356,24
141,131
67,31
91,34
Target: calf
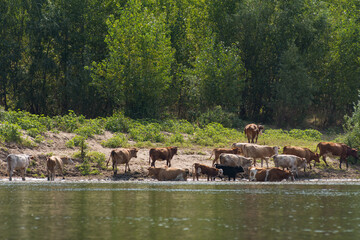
290,162
303,153
54,162
210,172
168,174
336,149
162,154
218,151
230,171
17,162
270,174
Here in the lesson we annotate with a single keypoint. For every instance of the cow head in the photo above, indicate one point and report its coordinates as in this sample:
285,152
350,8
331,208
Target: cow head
153,171
133,152
316,157
352,152
173,151
220,172
261,128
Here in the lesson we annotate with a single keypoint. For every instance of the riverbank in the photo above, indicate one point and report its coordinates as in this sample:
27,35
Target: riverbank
55,144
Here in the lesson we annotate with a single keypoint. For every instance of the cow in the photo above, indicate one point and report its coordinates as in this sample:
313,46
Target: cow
54,162
260,151
166,153
218,151
269,174
17,162
233,160
168,174
120,156
252,132
303,153
229,171
210,172
290,162
336,149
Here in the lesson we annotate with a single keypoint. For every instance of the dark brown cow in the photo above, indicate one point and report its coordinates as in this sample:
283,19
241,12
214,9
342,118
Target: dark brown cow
218,151
303,153
269,174
252,131
210,172
122,155
336,149
162,154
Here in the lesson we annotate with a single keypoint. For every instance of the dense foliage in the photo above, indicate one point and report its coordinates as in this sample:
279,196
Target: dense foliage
276,61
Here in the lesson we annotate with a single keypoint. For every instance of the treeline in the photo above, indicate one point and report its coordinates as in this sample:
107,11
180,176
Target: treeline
277,61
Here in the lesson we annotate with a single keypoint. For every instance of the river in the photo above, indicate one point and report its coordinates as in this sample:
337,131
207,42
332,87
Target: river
179,210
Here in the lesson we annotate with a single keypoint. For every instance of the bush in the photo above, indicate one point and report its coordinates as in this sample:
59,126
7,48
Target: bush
178,126
10,132
77,141
150,132
69,122
218,115
91,158
118,140
118,123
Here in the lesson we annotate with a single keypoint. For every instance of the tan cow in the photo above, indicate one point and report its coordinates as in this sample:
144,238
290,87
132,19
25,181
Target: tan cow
252,132
260,151
121,156
233,160
291,162
54,162
168,174
270,174
162,154
210,172
218,151
303,153
336,149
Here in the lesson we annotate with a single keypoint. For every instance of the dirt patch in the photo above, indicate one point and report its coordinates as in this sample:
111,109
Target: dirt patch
54,144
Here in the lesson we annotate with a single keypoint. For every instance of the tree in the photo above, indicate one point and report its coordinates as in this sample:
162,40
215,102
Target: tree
136,73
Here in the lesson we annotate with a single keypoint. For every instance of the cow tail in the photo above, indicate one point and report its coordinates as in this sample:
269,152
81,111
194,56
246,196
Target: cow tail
107,163
211,154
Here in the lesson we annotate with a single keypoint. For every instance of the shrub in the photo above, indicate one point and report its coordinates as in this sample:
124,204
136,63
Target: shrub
218,115
98,158
150,132
178,126
69,122
33,132
10,132
118,140
77,141
118,123
91,158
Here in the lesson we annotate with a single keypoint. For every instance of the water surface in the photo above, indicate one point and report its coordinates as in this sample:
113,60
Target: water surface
167,210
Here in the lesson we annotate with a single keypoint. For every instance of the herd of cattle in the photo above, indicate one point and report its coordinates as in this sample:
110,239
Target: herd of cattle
239,160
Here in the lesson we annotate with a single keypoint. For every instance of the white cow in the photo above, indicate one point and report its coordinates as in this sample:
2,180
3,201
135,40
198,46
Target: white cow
16,162
290,162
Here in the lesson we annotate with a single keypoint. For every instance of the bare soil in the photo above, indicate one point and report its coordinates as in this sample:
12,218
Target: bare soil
54,144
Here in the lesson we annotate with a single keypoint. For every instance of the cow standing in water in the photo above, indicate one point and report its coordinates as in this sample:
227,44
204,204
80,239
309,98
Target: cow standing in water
252,132
18,162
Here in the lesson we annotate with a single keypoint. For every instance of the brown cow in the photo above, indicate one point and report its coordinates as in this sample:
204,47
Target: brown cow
303,153
218,151
210,172
168,174
54,162
120,156
162,154
270,174
336,149
252,132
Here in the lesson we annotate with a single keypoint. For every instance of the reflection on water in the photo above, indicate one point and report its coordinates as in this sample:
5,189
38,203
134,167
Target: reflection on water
152,210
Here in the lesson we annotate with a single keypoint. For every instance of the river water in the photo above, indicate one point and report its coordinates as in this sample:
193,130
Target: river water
175,210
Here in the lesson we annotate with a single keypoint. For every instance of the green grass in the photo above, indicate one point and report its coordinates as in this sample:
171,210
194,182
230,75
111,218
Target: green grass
16,126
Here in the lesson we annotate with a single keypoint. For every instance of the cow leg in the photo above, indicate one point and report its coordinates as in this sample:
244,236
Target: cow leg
324,158
23,174
48,174
168,162
10,175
